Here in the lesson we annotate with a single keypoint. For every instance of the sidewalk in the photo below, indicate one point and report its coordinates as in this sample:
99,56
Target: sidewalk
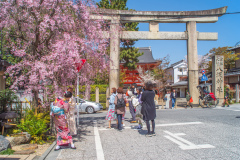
17,157
84,142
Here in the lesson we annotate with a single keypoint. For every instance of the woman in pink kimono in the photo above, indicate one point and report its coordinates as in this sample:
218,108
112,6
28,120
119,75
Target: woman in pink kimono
59,110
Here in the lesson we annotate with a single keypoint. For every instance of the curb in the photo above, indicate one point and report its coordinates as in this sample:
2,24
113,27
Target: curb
45,154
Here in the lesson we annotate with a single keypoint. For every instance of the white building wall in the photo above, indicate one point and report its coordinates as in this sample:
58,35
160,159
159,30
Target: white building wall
176,79
178,74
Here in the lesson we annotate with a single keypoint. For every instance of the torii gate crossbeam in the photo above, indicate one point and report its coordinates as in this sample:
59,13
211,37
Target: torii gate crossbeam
191,18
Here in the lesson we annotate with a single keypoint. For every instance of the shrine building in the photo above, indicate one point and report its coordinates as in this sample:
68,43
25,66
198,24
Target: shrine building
146,62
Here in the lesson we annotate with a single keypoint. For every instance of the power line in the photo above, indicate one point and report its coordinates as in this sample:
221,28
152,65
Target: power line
233,13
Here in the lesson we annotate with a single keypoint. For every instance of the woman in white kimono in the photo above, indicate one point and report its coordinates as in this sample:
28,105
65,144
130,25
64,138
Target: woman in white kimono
167,96
71,114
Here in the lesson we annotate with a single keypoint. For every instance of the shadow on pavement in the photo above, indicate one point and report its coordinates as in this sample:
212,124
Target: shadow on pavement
142,132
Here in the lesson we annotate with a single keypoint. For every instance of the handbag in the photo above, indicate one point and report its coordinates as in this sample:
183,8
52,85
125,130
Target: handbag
135,102
191,100
165,99
138,109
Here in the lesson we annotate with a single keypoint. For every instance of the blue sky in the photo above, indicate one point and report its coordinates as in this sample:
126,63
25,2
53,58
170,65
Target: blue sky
228,26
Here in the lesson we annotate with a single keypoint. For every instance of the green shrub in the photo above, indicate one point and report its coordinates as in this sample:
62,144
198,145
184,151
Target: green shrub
9,151
36,124
102,89
102,98
104,106
7,97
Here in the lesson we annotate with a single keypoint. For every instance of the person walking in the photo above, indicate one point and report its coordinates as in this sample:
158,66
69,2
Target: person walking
139,115
148,107
120,103
188,98
167,96
173,98
131,93
226,98
71,114
111,110
59,110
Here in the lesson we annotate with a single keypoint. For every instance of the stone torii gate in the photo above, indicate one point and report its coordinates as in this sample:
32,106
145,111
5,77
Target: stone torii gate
191,18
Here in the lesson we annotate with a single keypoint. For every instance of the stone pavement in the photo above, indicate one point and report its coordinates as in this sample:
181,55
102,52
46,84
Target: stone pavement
182,134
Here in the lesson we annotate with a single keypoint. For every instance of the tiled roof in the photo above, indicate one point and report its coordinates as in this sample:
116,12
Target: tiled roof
147,56
181,83
177,63
235,47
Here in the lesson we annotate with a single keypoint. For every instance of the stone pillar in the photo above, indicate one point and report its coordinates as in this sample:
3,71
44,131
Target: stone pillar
114,53
154,27
97,94
192,58
2,81
218,77
87,92
107,96
237,93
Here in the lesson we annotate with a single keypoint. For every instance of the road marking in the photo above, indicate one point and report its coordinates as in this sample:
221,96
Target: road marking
99,150
229,109
159,125
178,124
183,143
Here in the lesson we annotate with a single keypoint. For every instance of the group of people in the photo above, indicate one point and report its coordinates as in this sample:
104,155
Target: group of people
170,99
62,111
141,106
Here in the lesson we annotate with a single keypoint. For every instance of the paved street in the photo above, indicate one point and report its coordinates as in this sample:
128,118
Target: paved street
181,134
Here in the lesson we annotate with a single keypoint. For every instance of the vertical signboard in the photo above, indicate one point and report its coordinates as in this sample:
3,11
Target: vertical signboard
218,77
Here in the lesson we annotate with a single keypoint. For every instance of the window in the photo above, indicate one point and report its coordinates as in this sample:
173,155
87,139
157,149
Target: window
180,69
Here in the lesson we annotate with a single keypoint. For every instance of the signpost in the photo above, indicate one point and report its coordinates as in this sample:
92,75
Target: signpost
204,77
79,66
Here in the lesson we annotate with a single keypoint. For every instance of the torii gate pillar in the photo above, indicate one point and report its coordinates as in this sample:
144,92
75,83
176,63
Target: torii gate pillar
192,57
114,53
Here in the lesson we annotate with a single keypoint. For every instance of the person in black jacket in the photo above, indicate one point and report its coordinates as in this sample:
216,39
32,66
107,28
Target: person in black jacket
148,107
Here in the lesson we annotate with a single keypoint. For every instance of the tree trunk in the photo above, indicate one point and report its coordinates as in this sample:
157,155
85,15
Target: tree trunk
35,99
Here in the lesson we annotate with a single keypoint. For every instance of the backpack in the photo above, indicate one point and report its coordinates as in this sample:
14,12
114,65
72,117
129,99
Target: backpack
120,102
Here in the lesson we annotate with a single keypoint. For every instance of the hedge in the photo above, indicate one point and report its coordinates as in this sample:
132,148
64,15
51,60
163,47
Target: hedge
102,88
102,98
104,105
102,93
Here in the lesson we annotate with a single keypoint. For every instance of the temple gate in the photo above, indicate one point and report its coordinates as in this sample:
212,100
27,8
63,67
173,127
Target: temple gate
191,18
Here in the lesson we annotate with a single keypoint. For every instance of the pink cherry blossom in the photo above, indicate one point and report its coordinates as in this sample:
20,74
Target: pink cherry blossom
50,37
